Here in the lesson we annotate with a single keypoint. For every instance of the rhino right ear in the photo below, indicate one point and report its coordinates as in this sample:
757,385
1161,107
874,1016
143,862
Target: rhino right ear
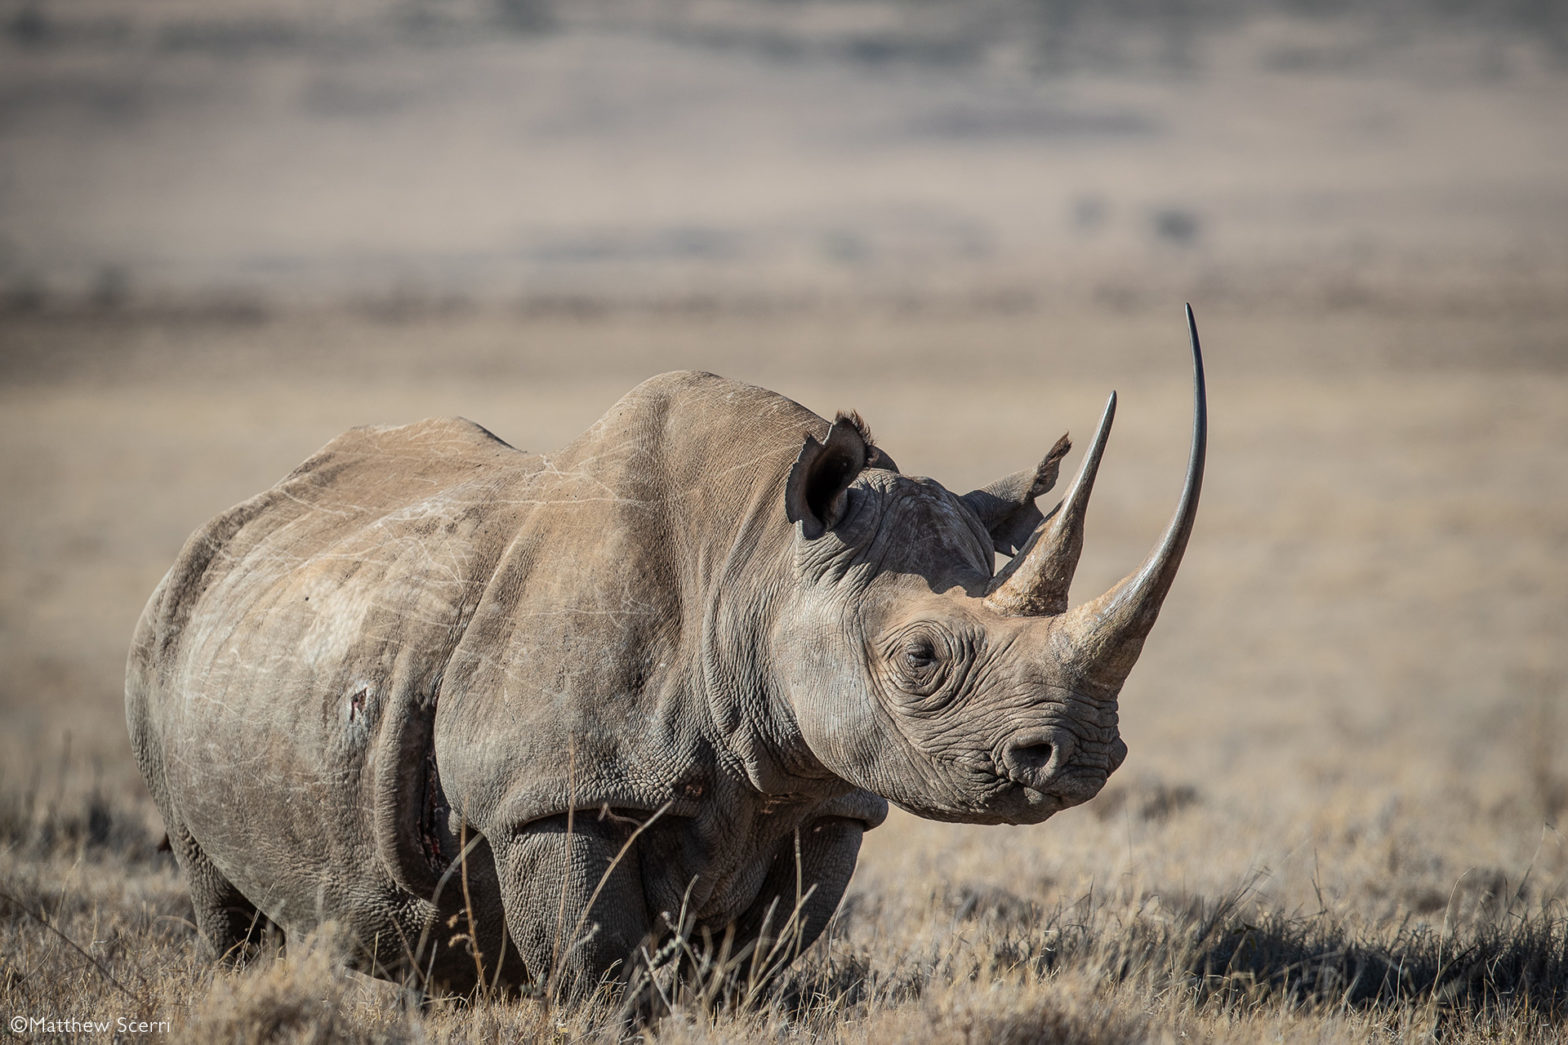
814,494
1006,508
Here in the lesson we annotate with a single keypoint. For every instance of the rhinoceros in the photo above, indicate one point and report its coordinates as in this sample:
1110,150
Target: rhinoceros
526,719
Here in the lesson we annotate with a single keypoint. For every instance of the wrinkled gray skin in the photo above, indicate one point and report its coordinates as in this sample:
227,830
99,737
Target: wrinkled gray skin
668,675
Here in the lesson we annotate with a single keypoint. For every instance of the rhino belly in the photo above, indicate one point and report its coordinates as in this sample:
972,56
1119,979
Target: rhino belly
278,805
306,777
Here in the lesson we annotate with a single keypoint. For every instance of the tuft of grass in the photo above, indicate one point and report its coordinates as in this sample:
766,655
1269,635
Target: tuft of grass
303,996
76,816
1516,966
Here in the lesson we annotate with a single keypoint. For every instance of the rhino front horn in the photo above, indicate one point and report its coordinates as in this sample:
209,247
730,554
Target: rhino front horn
1107,634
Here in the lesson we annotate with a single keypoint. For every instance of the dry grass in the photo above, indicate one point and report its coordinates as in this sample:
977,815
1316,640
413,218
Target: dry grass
226,237
92,932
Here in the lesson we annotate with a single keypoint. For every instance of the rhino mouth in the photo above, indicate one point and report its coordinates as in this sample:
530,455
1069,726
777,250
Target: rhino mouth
1020,802
991,795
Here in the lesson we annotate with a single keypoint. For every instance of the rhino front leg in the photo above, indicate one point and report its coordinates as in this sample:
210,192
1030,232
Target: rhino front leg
805,882
551,871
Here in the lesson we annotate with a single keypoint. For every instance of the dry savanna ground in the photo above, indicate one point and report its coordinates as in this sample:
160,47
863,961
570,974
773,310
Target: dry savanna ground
1342,815
1339,817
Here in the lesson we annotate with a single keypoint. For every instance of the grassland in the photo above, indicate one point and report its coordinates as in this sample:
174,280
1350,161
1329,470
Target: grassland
1342,815
1339,818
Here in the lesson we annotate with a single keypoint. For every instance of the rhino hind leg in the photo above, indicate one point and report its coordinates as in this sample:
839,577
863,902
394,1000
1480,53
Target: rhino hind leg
231,925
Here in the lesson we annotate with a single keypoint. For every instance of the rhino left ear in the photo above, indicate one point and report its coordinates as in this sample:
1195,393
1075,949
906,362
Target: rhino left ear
814,494
1006,507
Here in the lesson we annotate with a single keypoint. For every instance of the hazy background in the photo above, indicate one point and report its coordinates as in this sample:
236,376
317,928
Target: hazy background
460,151
228,232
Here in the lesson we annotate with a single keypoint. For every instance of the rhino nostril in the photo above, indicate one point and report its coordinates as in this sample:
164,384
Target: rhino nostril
1032,757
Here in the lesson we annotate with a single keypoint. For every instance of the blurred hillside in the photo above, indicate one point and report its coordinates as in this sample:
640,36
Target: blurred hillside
445,153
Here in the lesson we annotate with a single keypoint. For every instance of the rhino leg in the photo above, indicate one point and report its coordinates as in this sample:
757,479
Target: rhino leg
230,924
803,888
805,882
550,872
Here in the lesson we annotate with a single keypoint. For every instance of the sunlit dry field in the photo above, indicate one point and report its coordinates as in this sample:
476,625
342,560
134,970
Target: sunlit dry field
1341,818
1339,811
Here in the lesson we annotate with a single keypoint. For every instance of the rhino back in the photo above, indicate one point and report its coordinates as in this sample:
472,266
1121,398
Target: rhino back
283,677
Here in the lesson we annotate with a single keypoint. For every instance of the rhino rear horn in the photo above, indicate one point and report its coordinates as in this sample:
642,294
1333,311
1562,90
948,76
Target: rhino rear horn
814,492
1035,583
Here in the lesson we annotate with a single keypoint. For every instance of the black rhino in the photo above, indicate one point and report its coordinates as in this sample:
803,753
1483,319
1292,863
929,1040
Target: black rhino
521,718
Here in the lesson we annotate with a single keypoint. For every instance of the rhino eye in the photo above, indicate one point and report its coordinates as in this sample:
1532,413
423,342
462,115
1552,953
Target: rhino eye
925,663
919,655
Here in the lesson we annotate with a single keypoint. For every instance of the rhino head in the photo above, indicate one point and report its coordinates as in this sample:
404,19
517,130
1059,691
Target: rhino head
918,675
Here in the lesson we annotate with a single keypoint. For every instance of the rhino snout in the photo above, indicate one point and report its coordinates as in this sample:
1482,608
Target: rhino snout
1043,760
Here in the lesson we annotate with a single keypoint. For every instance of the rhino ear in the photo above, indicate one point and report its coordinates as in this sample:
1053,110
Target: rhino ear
814,494
1006,508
